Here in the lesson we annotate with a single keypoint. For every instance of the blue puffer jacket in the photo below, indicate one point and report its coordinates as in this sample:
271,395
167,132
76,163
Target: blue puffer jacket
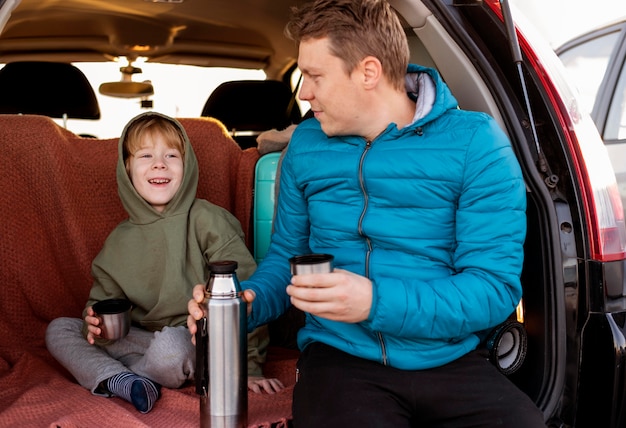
433,214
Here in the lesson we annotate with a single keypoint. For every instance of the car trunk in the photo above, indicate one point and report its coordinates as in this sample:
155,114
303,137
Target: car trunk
468,43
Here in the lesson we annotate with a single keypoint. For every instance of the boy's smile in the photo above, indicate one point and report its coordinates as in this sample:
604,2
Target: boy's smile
156,171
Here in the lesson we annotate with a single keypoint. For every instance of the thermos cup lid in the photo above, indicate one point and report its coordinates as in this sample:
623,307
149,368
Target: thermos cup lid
223,266
311,259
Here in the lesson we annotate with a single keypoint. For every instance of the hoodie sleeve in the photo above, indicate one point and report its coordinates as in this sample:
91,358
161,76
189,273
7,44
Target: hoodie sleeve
103,287
221,237
258,342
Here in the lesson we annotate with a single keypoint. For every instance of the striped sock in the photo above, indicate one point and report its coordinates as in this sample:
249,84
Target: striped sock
140,391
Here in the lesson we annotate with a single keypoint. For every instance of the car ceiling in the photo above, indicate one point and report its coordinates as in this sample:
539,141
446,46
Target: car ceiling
225,33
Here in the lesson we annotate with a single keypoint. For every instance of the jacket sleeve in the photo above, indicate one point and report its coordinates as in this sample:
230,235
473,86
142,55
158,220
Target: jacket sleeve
484,286
289,238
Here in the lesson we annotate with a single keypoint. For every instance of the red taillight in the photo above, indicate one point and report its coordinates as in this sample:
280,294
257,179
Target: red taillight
603,210
611,224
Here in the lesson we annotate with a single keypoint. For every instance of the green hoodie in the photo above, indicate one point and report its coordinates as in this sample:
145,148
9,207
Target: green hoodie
154,259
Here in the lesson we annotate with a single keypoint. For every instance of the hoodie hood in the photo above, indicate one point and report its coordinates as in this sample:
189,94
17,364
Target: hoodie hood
432,97
139,210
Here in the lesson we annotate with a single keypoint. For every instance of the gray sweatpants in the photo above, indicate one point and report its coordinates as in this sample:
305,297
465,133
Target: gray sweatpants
166,357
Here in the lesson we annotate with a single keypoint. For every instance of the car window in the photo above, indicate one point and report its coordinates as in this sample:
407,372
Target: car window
296,83
615,127
586,64
179,91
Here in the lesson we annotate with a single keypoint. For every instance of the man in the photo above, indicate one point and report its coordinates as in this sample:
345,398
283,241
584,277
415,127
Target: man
422,206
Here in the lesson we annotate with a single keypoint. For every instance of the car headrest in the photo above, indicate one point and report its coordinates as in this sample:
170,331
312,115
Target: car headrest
50,89
252,105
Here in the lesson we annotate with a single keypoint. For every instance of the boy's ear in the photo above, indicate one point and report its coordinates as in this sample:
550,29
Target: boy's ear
372,71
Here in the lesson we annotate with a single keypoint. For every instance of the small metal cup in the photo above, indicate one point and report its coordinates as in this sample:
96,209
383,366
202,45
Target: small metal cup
311,263
114,317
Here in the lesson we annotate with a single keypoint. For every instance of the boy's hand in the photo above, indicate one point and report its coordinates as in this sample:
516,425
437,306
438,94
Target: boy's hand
258,384
195,310
92,325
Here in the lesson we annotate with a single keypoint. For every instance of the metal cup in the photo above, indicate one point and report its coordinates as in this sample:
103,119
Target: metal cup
114,317
311,263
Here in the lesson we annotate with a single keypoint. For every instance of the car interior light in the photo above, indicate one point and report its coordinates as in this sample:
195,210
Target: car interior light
140,48
519,312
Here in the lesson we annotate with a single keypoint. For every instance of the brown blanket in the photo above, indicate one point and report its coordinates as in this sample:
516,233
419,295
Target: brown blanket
59,203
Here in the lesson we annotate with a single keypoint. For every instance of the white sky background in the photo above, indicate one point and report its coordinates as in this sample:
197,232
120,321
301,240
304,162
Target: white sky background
178,92
560,20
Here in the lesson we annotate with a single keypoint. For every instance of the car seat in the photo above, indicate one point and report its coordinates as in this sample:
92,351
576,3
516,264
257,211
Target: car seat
249,107
53,89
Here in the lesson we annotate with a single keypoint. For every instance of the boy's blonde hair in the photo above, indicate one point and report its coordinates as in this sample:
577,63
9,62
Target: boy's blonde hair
149,126
356,29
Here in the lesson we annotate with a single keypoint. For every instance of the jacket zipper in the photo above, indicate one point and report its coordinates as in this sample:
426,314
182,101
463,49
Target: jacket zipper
368,145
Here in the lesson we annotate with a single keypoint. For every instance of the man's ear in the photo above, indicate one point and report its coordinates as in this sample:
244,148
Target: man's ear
372,71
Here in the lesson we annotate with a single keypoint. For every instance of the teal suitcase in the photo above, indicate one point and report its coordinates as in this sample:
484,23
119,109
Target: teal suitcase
264,202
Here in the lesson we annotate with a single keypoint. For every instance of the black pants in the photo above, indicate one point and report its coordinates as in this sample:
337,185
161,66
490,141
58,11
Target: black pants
336,389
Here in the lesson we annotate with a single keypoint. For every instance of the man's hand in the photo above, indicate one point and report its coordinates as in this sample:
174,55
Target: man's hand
338,296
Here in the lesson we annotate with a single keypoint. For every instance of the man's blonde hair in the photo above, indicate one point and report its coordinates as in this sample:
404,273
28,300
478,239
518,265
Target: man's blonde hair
149,126
355,29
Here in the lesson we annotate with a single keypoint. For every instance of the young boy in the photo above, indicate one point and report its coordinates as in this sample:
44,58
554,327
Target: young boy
153,259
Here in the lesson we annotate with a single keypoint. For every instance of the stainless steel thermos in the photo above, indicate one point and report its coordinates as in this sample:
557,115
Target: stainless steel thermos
222,351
